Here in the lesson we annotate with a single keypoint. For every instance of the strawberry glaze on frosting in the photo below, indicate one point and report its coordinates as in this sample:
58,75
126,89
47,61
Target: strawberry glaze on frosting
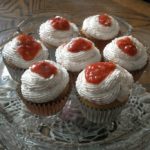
44,69
60,23
100,27
115,85
96,73
28,48
81,54
126,51
39,89
49,34
80,44
19,51
105,20
127,46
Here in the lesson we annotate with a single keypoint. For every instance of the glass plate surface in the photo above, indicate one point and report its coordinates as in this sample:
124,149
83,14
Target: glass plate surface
69,130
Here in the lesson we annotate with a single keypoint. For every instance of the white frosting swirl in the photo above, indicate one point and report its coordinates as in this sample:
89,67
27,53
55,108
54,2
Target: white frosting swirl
11,54
126,81
38,89
57,37
113,53
115,86
76,62
93,28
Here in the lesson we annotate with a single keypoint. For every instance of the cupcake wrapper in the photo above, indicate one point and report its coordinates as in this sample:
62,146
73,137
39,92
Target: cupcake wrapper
101,116
100,44
14,72
138,73
47,108
51,50
73,77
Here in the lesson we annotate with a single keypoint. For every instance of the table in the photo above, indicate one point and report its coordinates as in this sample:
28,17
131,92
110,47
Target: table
135,13
11,10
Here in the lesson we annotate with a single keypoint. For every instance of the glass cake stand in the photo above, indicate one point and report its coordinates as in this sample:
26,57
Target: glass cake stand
69,130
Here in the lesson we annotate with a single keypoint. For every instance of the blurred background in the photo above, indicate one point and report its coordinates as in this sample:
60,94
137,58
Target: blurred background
136,12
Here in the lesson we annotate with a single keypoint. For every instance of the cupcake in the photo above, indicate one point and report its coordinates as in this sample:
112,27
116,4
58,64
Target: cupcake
129,53
22,52
57,31
101,29
102,90
76,55
44,88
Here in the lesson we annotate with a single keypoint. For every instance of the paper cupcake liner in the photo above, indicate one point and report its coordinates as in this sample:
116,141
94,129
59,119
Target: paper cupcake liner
100,116
100,44
51,49
73,76
138,73
46,108
14,71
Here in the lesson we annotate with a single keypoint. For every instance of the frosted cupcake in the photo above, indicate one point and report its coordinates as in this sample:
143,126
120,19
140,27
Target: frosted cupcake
22,52
103,90
57,31
77,54
129,53
44,88
101,29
